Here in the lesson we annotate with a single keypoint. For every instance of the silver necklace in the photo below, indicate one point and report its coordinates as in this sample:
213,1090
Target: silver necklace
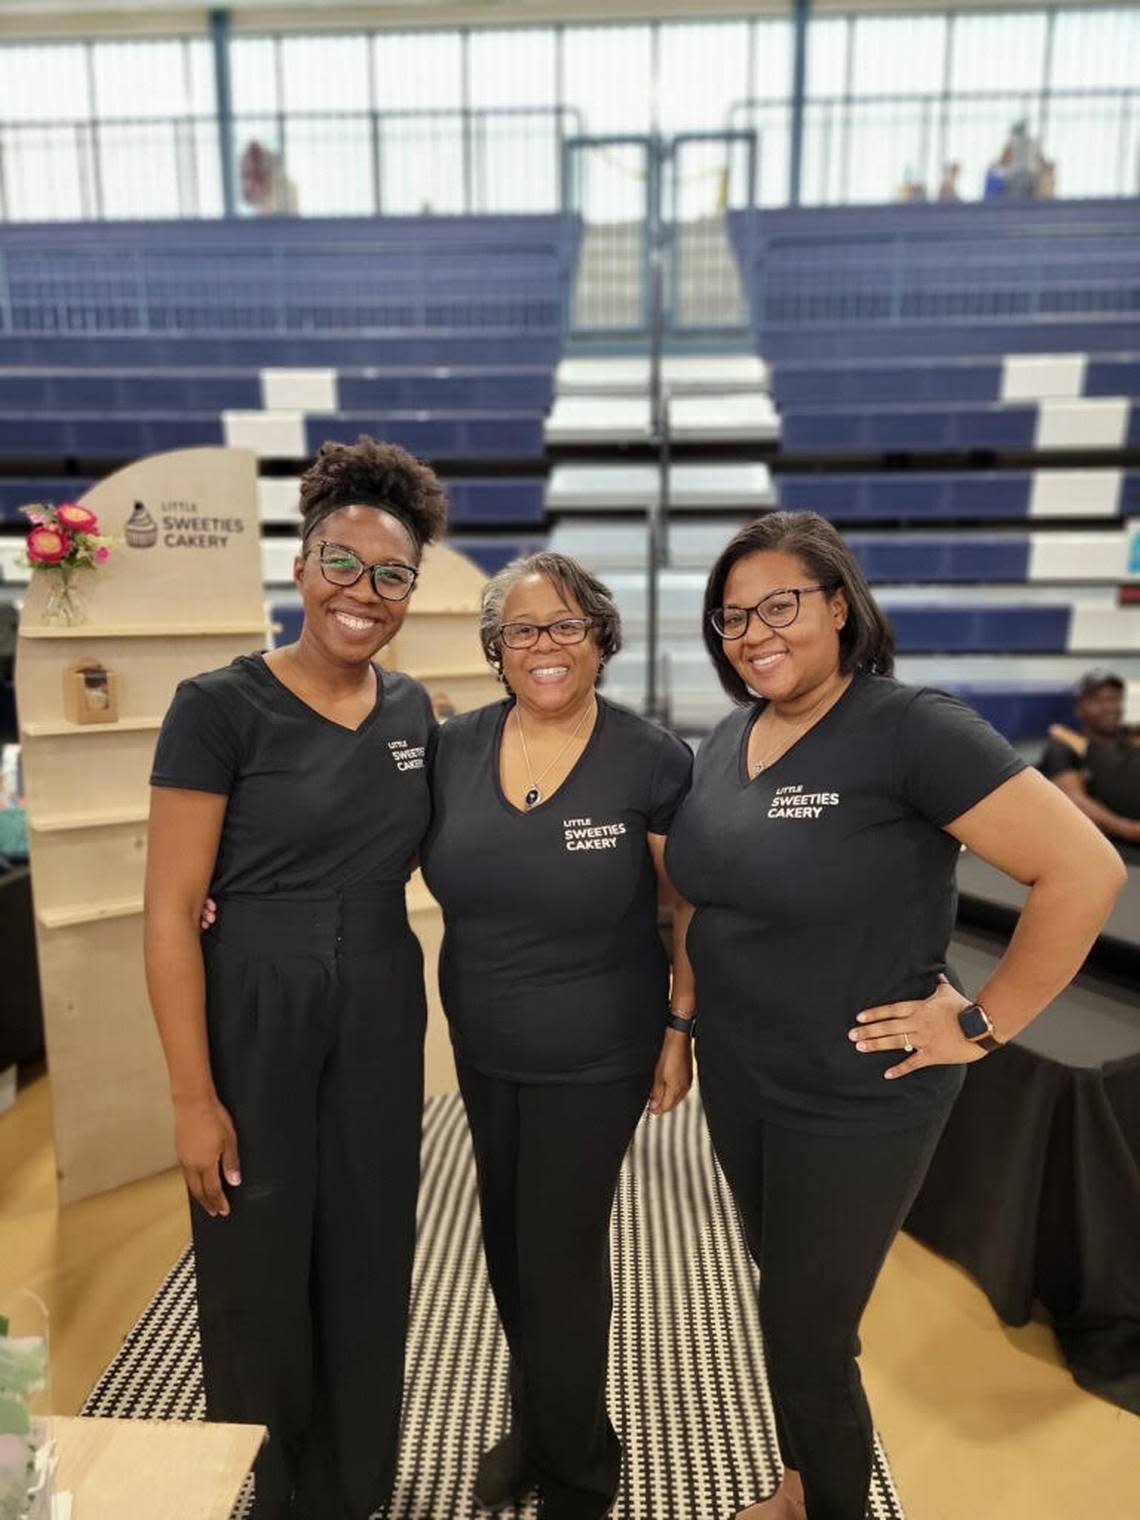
534,796
759,765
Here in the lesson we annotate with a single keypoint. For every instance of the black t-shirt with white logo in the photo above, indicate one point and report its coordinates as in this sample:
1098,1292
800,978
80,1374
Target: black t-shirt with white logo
313,806
826,885
552,967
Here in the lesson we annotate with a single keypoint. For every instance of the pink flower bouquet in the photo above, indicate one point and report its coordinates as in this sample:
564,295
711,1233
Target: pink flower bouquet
64,540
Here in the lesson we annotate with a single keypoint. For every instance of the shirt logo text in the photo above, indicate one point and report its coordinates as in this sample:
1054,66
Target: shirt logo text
406,757
584,834
794,802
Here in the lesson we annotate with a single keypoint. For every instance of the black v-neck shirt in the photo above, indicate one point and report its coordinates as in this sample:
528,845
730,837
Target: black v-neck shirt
552,968
314,806
826,885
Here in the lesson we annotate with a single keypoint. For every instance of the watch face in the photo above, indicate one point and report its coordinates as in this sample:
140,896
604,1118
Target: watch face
973,1022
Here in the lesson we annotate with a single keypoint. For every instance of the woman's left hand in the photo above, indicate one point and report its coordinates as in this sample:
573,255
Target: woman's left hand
930,1026
674,1072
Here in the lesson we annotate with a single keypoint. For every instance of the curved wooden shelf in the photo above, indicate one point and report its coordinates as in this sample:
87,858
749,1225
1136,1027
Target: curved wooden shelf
59,823
66,918
35,730
145,631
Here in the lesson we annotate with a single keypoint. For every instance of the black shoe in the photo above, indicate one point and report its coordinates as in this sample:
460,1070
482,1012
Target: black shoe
503,1476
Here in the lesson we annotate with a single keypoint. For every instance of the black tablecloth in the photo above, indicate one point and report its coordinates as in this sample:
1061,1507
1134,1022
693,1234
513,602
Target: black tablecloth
1035,1186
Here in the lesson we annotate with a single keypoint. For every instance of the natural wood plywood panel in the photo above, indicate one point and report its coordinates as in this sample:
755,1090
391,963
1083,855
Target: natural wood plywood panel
180,594
148,671
112,1110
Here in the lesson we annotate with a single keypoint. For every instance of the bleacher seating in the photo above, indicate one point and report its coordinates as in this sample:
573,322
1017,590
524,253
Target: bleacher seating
867,382
441,333
968,279
960,427
981,331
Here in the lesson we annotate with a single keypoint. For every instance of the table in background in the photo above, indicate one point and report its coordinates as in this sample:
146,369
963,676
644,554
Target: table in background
154,1469
1035,1185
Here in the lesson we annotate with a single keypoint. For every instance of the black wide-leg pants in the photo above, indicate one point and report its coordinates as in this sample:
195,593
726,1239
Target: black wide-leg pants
547,1159
819,1214
316,1014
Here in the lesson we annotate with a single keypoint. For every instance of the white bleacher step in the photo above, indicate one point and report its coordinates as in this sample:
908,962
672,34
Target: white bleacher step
732,417
634,487
607,547
681,374
599,419
279,499
724,418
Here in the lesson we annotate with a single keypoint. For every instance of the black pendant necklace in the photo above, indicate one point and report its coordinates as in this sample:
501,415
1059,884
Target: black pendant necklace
533,797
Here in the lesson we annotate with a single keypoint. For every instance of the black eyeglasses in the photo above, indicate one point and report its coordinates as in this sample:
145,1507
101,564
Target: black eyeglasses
776,610
527,635
341,566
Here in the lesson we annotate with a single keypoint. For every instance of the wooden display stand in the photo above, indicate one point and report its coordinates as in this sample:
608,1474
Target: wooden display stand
181,593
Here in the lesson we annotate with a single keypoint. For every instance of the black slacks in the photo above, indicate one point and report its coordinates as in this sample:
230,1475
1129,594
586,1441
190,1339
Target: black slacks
819,1213
316,1017
547,1159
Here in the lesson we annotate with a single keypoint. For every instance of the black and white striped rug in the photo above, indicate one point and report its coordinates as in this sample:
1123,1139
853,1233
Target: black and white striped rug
687,1387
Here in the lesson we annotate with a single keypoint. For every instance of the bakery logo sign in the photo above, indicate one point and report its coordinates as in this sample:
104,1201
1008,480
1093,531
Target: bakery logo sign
794,802
406,757
179,526
584,834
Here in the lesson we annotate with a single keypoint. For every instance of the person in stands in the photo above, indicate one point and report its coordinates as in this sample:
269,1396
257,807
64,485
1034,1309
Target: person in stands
1097,764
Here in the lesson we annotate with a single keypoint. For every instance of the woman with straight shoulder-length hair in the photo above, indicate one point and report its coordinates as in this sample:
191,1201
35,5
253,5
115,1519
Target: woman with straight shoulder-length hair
818,848
290,786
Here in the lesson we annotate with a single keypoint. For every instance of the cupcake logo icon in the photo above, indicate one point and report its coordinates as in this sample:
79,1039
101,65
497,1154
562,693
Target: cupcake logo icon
142,530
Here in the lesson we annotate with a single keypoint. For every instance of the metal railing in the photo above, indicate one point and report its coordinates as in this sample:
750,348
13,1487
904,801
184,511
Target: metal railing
310,163
876,148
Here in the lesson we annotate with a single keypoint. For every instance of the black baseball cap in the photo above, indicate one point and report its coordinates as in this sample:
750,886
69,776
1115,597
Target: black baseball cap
1094,680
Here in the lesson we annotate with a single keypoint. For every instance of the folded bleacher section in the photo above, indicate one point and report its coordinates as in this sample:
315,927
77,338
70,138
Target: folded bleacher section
439,333
960,387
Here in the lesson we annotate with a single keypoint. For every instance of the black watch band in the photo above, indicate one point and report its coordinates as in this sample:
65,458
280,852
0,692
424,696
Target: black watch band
974,1023
682,1025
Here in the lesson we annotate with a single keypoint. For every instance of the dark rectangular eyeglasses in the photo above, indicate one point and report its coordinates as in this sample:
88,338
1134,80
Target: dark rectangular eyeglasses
391,579
778,609
527,635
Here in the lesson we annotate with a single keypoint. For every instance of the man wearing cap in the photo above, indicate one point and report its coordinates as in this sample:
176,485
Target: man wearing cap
1098,765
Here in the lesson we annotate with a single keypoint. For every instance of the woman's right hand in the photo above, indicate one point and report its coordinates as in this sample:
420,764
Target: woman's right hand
209,915
204,1140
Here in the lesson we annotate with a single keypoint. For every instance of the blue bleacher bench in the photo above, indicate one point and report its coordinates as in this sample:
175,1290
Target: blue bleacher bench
1105,423
873,382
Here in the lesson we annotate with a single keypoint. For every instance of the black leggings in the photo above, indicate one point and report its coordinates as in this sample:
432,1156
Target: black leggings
819,1213
316,1022
548,1158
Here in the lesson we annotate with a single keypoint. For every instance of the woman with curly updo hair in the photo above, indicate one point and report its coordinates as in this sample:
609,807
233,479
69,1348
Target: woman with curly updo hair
290,787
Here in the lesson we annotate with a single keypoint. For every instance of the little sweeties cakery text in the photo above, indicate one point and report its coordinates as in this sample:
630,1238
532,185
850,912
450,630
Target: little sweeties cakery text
794,802
584,834
184,528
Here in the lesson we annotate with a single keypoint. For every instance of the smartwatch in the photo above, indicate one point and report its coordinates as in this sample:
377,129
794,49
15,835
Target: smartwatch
679,1022
974,1022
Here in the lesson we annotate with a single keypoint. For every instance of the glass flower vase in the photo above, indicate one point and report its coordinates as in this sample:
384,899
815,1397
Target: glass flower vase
64,606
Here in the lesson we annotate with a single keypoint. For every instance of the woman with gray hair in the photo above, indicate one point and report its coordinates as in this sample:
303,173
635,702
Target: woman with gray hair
551,810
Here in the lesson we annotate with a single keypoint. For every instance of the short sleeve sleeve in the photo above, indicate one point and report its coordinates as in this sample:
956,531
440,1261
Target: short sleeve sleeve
1056,758
950,757
671,778
198,747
